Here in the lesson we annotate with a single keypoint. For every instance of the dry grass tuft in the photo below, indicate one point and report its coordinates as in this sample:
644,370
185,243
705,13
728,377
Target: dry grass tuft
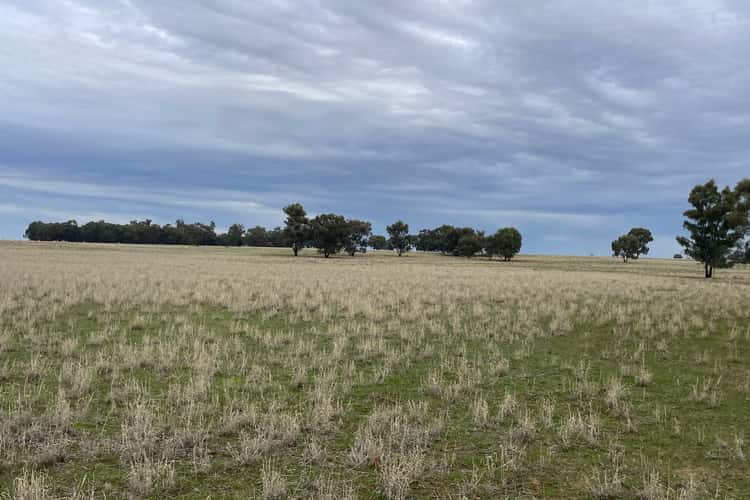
167,371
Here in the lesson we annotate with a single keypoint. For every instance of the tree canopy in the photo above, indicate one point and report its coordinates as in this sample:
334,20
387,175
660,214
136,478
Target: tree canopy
377,242
235,235
329,233
633,244
506,243
717,222
359,236
399,237
146,232
297,228
469,245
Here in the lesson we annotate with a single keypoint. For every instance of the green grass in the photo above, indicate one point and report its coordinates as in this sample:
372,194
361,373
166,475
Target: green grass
669,432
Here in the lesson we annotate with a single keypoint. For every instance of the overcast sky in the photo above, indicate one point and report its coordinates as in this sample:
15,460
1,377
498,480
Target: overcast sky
571,120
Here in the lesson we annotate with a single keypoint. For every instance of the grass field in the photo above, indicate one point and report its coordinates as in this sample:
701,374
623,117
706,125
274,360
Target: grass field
193,372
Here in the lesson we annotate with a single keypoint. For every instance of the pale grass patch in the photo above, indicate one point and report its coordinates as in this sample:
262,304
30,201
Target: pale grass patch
68,347
707,390
324,405
654,488
30,485
582,427
275,429
366,449
273,483
507,406
249,447
77,378
200,458
140,432
547,412
36,368
146,474
606,484
332,489
234,419
739,443
525,429
315,453
480,411
616,391
500,368
643,376
510,455
399,470
60,414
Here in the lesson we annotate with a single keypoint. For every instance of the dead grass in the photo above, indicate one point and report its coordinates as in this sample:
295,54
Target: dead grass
168,371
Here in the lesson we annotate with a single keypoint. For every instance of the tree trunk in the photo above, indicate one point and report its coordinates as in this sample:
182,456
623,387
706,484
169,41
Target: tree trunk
709,270
295,250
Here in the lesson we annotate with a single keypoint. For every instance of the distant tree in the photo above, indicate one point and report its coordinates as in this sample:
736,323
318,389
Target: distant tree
257,237
742,190
204,234
441,239
297,229
329,233
644,237
716,223
377,242
235,235
740,254
469,245
146,231
626,247
423,241
104,232
505,242
445,238
450,237
633,244
399,237
37,231
359,234
430,240
276,237
134,232
54,231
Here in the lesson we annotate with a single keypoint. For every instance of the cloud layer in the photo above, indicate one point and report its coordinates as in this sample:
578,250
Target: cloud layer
572,120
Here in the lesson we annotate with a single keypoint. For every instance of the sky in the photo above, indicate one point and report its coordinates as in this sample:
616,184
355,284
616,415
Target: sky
570,120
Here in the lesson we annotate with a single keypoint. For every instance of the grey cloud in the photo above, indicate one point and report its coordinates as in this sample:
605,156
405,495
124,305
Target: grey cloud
570,110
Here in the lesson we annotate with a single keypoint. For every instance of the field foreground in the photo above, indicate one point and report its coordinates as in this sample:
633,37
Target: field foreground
132,371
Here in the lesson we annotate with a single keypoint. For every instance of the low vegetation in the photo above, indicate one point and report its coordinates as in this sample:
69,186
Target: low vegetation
718,225
153,371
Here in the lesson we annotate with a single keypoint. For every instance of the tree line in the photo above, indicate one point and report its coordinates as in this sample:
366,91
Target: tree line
717,227
149,233
329,233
